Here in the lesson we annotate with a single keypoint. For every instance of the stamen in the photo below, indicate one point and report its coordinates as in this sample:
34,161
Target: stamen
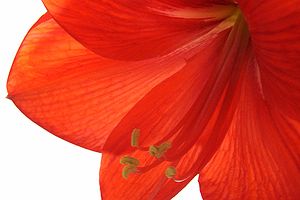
165,146
159,151
135,137
170,172
131,163
127,160
153,150
129,169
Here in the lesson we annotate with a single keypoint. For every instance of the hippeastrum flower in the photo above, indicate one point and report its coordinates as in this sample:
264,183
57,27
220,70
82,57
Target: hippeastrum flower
168,89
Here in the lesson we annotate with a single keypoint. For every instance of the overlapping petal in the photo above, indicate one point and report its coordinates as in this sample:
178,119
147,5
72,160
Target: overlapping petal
178,109
164,107
220,103
135,29
152,184
74,93
259,158
275,31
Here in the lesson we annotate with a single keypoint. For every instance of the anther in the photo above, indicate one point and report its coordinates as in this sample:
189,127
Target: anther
131,165
135,137
164,146
170,172
127,160
129,169
159,151
153,150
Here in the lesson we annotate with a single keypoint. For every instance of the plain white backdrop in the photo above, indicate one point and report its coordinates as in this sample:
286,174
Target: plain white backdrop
35,165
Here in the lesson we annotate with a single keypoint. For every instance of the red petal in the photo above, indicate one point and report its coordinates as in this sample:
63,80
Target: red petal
161,110
259,157
152,184
134,29
179,91
180,108
275,32
74,93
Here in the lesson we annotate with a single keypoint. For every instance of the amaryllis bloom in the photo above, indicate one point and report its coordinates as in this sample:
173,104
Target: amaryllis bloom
168,89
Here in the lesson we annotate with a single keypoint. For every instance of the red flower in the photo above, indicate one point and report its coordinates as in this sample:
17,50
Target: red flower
206,87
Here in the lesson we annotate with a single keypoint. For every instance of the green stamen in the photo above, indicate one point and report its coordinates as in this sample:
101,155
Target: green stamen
159,151
170,172
153,150
131,163
127,160
128,170
135,137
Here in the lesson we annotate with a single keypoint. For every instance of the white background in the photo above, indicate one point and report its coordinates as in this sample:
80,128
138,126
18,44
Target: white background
35,165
